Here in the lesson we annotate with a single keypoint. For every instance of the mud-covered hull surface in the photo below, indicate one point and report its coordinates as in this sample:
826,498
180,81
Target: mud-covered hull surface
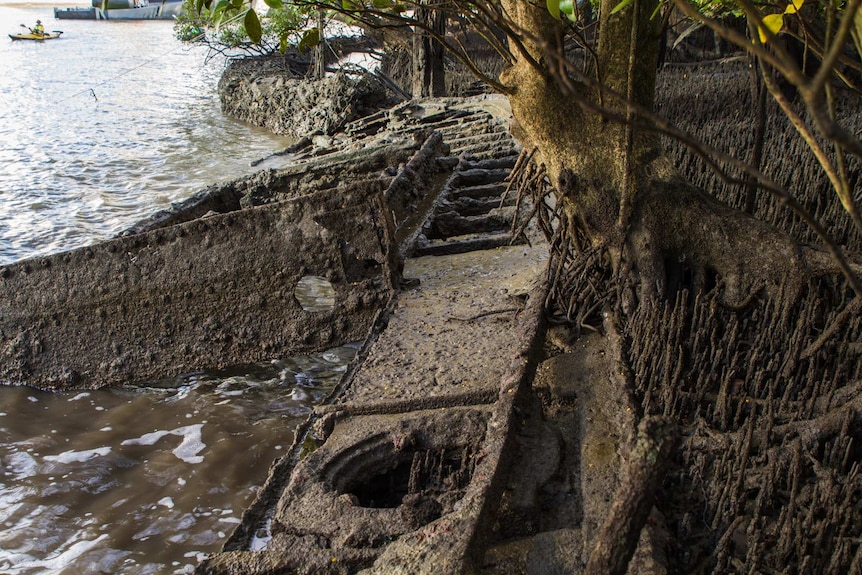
404,468
207,293
212,282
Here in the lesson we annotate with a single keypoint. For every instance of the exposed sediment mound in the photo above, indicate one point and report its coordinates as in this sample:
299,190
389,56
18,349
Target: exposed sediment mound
266,92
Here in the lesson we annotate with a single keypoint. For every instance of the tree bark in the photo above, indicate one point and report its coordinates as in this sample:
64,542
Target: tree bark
618,537
616,182
320,49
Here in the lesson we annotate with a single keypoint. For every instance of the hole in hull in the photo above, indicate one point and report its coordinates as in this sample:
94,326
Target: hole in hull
315,294
428,472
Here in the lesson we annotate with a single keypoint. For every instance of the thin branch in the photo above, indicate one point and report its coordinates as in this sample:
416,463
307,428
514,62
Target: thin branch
851,310
801,129
835,50
628,191
783,63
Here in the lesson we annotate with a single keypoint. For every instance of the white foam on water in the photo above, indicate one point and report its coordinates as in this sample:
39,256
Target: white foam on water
188,450
261,538
81,395
21,465
20,562
78,456
166,501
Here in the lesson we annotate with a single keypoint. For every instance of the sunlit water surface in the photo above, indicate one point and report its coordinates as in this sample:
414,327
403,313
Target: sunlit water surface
98,129
105,125
145,480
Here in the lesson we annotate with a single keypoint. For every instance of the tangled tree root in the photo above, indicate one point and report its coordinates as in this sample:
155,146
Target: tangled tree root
767,397
769,474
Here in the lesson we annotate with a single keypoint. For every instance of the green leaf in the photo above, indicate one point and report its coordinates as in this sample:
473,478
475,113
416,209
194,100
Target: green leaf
252,26
274,4
218,11
554,8
621,6
220,7
656,11
310,39
567,7
771,22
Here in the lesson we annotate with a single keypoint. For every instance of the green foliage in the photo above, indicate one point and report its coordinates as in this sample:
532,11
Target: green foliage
719,8
232,24
286,20
189,27
771,24
386,6
252,26
557,8
621,6
310,39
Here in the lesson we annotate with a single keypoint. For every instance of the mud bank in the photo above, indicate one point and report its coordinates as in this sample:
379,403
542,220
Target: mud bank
268,92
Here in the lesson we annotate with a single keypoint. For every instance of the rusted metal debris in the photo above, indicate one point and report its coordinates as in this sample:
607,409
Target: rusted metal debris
431,455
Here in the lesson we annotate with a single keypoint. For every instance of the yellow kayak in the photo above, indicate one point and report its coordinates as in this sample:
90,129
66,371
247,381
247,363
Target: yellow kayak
32,36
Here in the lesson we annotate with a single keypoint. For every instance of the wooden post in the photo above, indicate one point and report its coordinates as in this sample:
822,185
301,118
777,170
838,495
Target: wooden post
320,49
428,73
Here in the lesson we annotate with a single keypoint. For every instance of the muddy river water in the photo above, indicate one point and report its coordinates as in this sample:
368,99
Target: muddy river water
146,480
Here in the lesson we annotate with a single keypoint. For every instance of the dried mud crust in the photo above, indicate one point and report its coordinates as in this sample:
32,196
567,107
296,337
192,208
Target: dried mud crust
578,498
278,100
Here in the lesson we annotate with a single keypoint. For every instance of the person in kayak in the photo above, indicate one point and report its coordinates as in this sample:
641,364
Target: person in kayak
38,29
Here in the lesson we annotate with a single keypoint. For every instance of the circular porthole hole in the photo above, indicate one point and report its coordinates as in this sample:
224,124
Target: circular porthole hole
435,473
315,294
